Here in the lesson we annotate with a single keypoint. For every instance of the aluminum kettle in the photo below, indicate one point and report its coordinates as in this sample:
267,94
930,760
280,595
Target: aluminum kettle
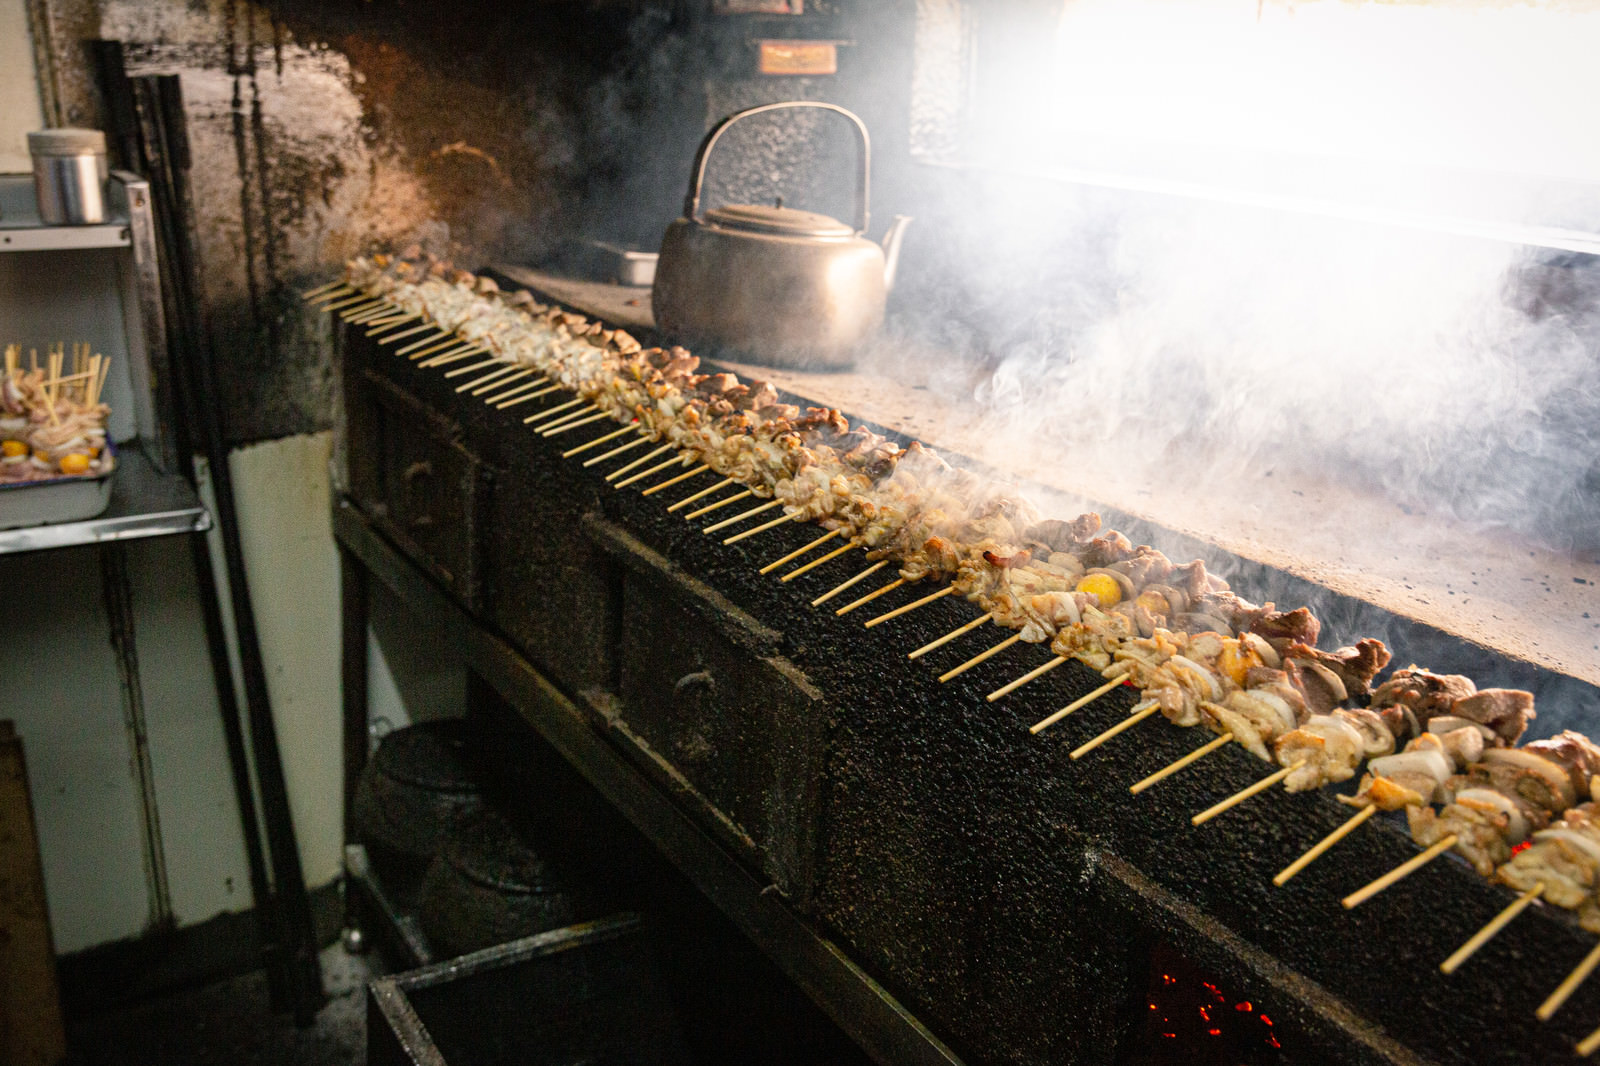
772,284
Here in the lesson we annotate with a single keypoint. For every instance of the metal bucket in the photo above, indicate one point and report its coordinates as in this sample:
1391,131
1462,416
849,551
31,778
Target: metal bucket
69,176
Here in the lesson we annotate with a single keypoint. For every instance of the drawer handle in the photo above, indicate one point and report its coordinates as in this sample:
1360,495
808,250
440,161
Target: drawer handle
698,679
417,470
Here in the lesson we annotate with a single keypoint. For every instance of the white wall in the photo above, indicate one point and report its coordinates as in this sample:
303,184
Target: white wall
20,112
58,675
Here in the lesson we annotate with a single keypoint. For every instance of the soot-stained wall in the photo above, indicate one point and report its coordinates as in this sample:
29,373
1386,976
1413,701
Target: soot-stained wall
488,131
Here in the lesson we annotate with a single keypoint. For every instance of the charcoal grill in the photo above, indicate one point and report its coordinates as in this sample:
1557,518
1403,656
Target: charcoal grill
1010,899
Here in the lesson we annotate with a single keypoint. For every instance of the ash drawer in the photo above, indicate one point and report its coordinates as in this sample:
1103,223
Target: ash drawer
546,585
717,713
363,432
431,490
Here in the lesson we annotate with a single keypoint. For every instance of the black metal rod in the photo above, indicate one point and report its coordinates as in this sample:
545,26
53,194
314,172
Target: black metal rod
127,131
295,934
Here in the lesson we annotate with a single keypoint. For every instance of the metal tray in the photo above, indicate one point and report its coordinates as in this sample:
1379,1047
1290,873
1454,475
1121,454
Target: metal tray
62,499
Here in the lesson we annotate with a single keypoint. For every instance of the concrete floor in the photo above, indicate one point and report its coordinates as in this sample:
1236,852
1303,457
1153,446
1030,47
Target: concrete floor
230,1023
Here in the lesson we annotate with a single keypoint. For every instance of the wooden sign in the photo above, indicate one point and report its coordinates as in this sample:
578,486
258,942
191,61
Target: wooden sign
798,57
758,7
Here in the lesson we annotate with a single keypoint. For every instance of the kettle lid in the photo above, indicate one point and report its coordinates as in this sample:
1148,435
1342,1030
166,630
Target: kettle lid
784,221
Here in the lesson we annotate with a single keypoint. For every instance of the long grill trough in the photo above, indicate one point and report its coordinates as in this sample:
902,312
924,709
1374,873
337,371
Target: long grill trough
919,795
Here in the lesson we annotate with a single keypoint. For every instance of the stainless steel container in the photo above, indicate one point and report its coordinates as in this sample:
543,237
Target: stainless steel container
69,176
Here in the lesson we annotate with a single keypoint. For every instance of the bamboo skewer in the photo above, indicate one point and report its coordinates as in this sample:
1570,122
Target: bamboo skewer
1316,850
534,396
602,439
491,361
546,413
702,494
338,292
1178,764
483,385
818,561
525,372
959,631
359,298
367,306
1140,712
620,449
560,426
770,567
912,606
99,368
1404,870
742,515
452,354
387,325
396,338
360,302
585,408
1245,793
981,657
1588,1045
1564,990
1031,675
849,582
381,308
671,481
719,505
526,386
1077,704
1493,926
490,378
417,349
649,471
654,453
351,296
312,293
869,597
762,528
328,299
361,314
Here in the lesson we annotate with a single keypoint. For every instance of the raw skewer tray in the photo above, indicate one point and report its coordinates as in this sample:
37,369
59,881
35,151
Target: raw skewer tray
61,499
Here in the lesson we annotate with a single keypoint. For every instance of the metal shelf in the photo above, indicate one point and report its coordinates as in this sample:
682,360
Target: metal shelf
144,503
819,967
22,231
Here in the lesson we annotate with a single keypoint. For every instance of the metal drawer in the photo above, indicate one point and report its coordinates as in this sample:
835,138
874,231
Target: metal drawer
728,722
431,489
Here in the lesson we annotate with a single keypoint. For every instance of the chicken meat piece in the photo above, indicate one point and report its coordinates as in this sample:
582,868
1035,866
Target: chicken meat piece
1565,858
1412,695
1407,778
1355,667
1480,831
1507,711
1283,628
1575,753
1330,746
1064,536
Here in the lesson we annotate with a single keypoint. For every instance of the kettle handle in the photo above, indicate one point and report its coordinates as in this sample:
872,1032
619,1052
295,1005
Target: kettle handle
691,202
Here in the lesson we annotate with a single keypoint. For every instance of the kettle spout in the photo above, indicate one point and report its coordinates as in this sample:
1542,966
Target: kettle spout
891,248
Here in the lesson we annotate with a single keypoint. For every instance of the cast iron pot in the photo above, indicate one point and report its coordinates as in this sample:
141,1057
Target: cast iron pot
413,788
488,886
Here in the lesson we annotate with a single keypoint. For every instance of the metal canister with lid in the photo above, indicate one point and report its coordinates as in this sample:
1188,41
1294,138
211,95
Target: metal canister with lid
69,175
